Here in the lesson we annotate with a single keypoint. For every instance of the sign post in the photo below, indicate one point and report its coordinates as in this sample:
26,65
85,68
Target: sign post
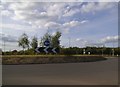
47,43
47,48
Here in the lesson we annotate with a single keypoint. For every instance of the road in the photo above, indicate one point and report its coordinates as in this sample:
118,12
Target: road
93,73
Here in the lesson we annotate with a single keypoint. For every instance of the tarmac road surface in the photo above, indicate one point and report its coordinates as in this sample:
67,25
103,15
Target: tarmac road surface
91,73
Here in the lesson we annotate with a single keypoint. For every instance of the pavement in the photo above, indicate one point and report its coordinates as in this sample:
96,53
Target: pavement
90,73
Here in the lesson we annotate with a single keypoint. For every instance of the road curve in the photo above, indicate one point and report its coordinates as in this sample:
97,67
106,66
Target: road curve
92,73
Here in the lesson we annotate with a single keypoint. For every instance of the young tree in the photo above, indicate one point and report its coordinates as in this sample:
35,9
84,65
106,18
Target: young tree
56,39
34,42
47,36
23,41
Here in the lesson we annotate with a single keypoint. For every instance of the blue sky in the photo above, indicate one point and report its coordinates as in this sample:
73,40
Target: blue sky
81,23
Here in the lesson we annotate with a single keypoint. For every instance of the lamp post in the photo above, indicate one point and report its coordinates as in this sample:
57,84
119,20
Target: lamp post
113,52
3,43
84,51
102,49
69,41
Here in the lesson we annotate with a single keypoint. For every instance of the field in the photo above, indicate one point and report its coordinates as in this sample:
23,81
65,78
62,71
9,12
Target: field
47,59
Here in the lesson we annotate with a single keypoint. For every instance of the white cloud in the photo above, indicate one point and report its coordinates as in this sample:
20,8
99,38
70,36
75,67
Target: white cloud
6,13
52,25
36,10
110,39
93,7
101,42
22,6
55,9
18,15
65,27
42,15
105,5
7,38
17,27
96,44
1,7
78,39
84,21
71,24
108,0
81,42
70,12
88,7
62,16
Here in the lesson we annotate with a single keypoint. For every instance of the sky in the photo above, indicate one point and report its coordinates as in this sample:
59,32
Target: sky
81,23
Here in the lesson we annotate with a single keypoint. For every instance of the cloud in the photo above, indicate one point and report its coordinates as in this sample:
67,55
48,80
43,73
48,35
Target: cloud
30,10
74,23
108,0
23,5
53,25
7,38
106,40
71,24
96,44
67,17
17,27
70,12
88,7
93,7
81,42
1,7
101,42
6,13
84,21
47,12
65,27
42,15
110,39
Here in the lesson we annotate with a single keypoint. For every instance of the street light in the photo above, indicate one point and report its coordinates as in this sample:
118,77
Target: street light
88,53
102,49
3,42
113,52
69,41
84,51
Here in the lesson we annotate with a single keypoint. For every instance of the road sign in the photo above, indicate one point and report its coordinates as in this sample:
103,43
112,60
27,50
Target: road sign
47,43
47,50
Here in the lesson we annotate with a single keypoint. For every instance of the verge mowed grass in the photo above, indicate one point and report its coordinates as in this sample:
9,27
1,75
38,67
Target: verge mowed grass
33,56
46,59
30,56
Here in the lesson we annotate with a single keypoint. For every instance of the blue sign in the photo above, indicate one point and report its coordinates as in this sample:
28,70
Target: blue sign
47,43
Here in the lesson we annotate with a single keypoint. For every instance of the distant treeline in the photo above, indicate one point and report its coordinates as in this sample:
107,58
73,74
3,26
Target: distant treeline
30,46
71,51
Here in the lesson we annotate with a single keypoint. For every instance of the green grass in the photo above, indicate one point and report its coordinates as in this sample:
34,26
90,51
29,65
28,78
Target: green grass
31,56
45,59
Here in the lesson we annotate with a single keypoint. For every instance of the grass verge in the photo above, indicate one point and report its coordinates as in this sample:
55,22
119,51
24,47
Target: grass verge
46,59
